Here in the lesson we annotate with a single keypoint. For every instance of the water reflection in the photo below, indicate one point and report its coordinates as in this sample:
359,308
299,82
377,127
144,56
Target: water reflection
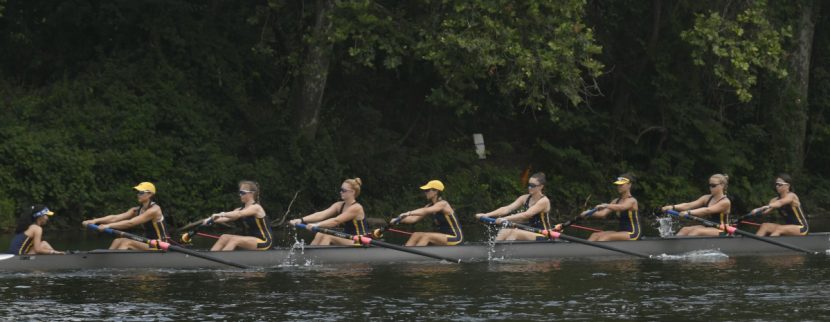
524,266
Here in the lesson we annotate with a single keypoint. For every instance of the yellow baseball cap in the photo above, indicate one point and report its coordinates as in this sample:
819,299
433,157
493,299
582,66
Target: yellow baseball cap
146,186
433,184
621,181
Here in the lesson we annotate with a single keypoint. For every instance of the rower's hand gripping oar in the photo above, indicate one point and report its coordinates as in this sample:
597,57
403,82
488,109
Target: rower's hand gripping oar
188,236
165,246
732,230
364,240
552,234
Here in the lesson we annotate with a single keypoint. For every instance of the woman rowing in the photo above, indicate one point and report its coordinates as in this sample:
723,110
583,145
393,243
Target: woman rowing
347,213
626,208
716,205
253,218
788,206
531,208
443,218
148,214
28,238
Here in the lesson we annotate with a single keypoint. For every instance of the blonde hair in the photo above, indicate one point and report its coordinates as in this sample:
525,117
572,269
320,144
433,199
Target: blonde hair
724,179
355,184
252,186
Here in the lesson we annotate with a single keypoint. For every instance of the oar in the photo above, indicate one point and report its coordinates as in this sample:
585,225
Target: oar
749,223
369,241
378,232
186,237
732,230
585,228
578,218
166,246
556,235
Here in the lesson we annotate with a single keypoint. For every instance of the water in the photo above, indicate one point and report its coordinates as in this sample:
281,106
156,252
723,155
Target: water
705,285
743,288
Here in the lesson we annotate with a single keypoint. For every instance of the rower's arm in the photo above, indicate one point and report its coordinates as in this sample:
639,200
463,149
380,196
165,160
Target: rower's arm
540,206
700,202
235,214
113,218
148,215
608,208
719,207
350,214
775,204
321,215
413,216
506,210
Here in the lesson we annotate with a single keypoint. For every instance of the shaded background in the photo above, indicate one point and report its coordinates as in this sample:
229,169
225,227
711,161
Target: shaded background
96,96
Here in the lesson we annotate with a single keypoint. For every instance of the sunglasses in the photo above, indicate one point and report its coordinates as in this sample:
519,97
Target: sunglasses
531,186
778,184
143,192
245,192
344,190
712,185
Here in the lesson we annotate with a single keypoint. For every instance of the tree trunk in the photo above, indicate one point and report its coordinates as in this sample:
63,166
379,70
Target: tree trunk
314,72
791,113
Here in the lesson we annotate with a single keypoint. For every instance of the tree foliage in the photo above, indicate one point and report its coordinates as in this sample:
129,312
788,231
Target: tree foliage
194,96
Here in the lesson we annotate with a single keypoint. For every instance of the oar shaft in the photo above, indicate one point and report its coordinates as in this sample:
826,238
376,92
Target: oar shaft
586,228
166,246
366,240
557,235
399,231
733,230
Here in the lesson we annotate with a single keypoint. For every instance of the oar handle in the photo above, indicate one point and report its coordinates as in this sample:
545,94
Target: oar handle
487,220
591,212
303,226
97,228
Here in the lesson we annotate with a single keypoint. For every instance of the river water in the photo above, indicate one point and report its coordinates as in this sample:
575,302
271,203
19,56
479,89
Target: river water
710,287
701,286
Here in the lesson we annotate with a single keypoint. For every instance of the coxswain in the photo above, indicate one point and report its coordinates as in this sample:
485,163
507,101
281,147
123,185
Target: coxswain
28,236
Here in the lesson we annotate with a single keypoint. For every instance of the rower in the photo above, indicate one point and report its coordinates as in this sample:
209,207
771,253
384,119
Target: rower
28,238
625,207
531,208
253,218
148,214
716,205
347,213
443,216
789,207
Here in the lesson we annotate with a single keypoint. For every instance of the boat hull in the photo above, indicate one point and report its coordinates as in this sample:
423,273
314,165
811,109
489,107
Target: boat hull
471,252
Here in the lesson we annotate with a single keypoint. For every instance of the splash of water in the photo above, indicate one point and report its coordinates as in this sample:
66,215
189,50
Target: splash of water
299,245
704,256
666,226
492,232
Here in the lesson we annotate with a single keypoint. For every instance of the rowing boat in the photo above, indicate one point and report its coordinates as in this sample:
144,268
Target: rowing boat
470,252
